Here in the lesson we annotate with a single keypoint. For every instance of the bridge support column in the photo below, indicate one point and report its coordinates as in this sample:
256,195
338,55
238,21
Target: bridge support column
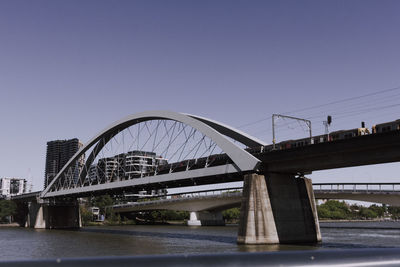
194,219
45,216
206,218
34,217
293,205
278,209
257,224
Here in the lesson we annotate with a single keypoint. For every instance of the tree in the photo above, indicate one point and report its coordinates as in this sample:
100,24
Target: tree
354,208
379,211
333,209
7,208
231,214
86,215
323,212
103,202
395,211
367,213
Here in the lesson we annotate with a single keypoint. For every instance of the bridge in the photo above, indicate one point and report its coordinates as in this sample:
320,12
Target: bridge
383,193
157,150
205,206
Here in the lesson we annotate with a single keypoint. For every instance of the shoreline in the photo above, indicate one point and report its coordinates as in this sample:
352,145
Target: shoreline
9,225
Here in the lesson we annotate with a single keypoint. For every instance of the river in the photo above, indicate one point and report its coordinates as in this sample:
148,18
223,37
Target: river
23,243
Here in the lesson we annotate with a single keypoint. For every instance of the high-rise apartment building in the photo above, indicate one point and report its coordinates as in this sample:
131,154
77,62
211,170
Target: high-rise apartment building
12,186
58,154
133,164
138,163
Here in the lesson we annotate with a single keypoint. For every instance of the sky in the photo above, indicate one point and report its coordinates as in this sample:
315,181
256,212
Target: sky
70,68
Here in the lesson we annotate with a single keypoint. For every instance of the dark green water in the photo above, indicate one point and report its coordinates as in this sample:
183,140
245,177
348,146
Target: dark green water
21,243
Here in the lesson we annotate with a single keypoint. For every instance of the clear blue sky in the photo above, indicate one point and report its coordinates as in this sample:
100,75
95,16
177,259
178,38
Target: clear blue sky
70,68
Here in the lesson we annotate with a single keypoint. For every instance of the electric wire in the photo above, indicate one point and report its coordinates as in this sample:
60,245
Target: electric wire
325,105
341,110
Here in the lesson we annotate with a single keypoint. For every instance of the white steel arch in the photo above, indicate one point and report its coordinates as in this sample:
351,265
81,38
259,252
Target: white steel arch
217,132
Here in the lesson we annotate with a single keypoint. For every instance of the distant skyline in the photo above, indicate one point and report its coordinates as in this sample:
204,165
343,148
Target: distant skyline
70,68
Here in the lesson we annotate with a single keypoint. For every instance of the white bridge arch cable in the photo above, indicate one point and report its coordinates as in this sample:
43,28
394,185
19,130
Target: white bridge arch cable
167,139
163,139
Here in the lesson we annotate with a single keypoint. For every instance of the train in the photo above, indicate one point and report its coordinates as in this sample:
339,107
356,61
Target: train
333,136
386,127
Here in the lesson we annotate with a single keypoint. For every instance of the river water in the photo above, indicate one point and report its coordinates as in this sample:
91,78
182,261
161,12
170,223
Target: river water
23,243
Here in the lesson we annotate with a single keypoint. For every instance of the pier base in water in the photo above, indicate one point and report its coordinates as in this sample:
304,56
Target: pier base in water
205,218
46,216
278,208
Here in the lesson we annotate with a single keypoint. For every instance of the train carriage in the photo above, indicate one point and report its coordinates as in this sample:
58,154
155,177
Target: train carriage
345,134
386,127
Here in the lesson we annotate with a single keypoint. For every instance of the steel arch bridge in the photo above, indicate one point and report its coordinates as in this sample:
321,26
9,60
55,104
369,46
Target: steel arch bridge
156,150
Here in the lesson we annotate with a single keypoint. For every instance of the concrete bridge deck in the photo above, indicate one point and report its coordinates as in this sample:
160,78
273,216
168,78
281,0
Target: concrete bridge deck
220,199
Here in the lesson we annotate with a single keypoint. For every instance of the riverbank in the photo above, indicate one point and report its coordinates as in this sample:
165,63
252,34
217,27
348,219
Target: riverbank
9,225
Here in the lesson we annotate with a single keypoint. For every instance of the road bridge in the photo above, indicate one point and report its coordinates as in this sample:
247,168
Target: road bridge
383,193
157,150
205,206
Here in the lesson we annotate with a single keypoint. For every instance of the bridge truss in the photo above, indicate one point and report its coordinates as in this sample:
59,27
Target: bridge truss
153,150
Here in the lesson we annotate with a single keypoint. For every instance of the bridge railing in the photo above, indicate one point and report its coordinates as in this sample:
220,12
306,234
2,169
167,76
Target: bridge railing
318,187
150,200
211,192
188,194
357,187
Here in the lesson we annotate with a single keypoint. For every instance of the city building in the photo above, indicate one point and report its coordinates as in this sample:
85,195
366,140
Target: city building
133,164
57,155
138,163
12,186
107,169
93,173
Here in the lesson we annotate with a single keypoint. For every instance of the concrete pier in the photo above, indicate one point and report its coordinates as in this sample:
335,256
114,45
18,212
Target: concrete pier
45,216
293,205
257,223
206,218
278,208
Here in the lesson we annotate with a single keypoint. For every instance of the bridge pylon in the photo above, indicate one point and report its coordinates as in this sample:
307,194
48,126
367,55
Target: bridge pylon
53,215
278,208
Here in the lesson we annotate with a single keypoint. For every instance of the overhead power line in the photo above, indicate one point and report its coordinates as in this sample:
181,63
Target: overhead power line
346,99
325,105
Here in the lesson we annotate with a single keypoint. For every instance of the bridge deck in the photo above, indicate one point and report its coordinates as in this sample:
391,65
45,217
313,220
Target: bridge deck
356,151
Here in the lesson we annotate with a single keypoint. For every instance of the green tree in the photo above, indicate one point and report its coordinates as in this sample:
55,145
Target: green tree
394,211
114,218
163,215
231,215
7,208
86,215
172,215
333,209
323,212
367,213
354,208
379,211
103,202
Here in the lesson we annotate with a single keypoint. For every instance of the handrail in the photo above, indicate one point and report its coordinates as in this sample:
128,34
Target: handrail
358,187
